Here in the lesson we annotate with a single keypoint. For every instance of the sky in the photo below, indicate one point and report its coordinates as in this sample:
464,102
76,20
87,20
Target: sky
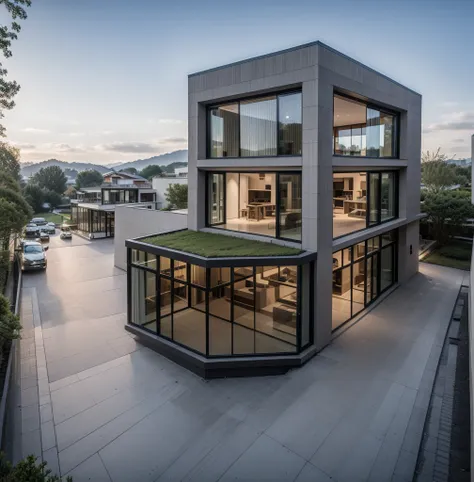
106,80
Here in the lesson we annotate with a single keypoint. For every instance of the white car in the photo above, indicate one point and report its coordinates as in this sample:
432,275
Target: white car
33,256
65,232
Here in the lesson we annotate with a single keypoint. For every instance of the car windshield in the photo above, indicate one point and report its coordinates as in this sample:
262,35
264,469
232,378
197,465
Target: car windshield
66,230
33,249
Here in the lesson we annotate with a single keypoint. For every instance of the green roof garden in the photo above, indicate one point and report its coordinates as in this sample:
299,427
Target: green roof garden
212,245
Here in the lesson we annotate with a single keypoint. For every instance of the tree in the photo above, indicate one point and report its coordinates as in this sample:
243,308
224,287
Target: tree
70,192
445,211
53,198
151,171
34,195
10,159
8,89
177,195
436,173
89,178
130,170
51,178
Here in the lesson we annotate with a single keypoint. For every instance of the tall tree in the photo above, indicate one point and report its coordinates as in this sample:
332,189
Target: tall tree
10,159
34,196
8,33
436,173
177,195
446,210
89,178
51,178
149,172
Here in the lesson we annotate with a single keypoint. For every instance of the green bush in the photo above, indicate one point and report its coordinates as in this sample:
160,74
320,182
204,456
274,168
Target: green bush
456,252
10,326
26,471
4,268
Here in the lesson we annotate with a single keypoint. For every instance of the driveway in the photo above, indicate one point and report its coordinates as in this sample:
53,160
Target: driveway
106,409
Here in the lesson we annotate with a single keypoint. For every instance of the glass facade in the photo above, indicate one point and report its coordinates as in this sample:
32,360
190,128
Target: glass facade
362,200
119,196
259,127
362,130
267,203
360,274
223,311
93,221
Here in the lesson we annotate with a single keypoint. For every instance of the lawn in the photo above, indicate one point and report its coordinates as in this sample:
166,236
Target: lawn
218,245
51,217
456,254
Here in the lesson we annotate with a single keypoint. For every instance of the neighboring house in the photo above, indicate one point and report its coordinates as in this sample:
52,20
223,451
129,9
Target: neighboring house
317,157
93,212
161,184
181,171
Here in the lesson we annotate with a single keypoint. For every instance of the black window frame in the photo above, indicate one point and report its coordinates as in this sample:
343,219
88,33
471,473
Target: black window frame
277,203
368,225
374,106
277,123
375,253
142,265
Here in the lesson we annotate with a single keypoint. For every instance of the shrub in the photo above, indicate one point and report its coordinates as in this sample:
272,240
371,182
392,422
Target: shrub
4,268
9,325
26,471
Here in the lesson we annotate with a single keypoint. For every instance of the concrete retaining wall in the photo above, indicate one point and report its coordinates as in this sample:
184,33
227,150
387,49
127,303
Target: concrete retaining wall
132,222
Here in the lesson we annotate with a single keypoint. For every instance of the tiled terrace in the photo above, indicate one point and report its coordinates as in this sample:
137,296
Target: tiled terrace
100,407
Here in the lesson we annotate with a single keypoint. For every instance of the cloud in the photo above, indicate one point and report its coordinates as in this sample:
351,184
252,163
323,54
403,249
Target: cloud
60,147
174,140
107,133
457,121
458,140
130,147
23,145
35,130
76,134
170,121
143,147
460,149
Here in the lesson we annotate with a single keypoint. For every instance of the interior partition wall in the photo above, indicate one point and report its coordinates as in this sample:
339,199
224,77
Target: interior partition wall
220,311
263,203
361,273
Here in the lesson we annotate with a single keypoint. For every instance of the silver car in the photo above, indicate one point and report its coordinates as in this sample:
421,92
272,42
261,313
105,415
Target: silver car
33,256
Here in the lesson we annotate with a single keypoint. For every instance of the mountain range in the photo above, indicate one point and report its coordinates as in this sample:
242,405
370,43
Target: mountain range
28,169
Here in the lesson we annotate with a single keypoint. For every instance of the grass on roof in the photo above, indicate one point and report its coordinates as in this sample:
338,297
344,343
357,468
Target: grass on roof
212,245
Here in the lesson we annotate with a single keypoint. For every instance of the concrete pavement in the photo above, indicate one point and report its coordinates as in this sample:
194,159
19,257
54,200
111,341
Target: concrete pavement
112,410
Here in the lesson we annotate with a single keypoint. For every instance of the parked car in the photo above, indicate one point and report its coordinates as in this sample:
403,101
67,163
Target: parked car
65,232
33,256
32,232
44,236
50,228
39,221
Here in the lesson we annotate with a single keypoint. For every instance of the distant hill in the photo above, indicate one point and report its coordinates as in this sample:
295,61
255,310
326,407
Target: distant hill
163,160
180,157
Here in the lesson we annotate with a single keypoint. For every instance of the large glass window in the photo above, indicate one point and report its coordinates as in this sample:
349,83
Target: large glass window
290,206
289,125
259,127
258,132
363,199
362,130
360,274
224,131
219,311
267,204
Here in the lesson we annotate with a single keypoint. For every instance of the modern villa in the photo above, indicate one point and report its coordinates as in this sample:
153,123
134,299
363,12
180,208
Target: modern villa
303,211
93,213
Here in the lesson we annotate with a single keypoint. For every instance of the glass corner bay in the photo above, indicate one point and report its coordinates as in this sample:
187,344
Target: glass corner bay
220,311
264,126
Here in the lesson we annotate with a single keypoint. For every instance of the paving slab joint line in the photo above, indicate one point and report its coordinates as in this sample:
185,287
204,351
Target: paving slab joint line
39,350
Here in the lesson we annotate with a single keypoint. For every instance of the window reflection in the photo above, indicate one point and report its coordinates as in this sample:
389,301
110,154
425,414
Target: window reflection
365,131
224,135
290,122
